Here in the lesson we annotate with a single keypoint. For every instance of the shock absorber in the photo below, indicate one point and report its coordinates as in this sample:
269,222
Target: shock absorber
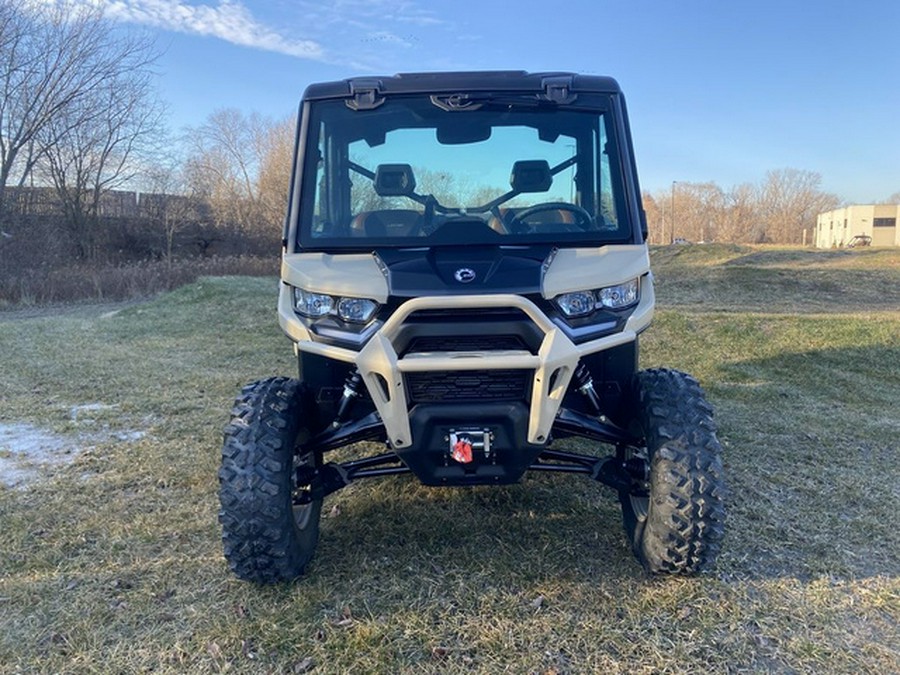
586,387
636,467
351,393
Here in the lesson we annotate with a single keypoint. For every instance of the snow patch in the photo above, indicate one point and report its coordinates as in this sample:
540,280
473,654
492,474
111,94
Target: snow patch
25,450
129,436
77,410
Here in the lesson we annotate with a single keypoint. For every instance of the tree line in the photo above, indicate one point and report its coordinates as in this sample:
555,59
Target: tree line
80,115
781,209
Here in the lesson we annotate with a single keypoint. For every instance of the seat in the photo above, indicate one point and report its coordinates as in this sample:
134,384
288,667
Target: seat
551,217
386,223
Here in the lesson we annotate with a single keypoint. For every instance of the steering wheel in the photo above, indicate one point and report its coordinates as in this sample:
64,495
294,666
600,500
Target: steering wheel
517,225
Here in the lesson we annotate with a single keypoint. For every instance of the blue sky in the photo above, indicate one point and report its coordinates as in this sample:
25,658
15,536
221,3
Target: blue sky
717,90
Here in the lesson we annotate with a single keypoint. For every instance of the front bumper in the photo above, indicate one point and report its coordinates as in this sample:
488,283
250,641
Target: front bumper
382,367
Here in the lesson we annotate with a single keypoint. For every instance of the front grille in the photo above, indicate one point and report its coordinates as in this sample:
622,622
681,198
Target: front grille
465,343
469,314
468,385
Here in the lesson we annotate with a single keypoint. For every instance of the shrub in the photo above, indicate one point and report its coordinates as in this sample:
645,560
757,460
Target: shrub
74,282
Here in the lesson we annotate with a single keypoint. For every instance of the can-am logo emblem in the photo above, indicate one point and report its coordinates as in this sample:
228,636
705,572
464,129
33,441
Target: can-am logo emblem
464,275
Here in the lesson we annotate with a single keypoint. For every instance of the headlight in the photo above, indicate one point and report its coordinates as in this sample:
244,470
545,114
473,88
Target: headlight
312,304
356,310
315,305
582,303
617,297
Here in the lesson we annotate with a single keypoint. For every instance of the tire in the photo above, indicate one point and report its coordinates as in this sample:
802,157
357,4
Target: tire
265,536
676,525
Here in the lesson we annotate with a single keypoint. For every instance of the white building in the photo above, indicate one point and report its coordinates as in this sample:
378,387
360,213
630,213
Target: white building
878,221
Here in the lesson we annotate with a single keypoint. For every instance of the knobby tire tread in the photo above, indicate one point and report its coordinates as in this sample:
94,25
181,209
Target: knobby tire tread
261,540
685,524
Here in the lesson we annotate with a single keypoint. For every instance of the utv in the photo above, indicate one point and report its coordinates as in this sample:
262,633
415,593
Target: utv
465,276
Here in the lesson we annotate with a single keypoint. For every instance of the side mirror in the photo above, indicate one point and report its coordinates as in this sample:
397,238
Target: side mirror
394,180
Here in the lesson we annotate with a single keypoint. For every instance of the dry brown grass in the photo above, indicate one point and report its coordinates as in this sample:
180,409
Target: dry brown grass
87,282
113,563
777,280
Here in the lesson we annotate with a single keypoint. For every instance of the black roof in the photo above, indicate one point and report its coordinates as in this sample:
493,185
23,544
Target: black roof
459,82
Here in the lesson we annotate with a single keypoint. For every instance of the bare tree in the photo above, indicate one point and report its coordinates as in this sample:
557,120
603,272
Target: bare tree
275,169
168,201
699,208
739,221
225,156
654,213
55,59
92,146
789,201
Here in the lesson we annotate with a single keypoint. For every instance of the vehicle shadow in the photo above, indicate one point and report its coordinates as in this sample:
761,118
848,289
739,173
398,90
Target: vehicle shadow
810,449
545,527
810,453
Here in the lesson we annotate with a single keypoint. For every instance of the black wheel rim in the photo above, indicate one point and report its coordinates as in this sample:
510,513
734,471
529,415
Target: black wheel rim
302,508
640,503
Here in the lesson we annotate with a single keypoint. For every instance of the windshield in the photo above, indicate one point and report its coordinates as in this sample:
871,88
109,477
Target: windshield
421,171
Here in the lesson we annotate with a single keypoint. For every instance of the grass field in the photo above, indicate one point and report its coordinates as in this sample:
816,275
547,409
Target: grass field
111,561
